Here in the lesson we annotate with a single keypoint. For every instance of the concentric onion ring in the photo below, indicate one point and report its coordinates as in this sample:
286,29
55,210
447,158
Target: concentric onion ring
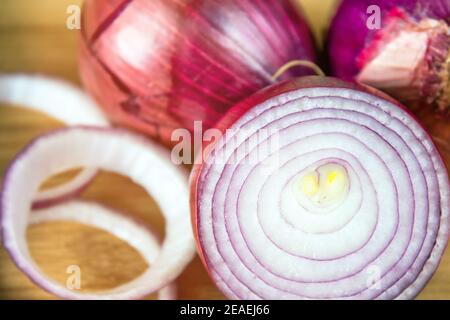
378,234
111,149
63,102
143,239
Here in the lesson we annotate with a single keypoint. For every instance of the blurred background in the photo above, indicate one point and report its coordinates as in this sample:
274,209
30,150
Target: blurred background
34,38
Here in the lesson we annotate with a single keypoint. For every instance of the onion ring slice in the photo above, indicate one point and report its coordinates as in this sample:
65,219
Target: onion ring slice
62,101
115,150
143,239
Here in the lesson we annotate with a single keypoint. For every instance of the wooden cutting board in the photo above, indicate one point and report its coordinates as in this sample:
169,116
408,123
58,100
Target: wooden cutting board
33,38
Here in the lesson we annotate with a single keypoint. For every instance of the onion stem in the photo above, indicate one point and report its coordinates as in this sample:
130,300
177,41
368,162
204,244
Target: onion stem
297,63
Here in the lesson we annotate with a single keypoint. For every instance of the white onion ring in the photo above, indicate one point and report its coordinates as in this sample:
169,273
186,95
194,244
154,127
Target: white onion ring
65,191
62,101
137,235
111,149
251,235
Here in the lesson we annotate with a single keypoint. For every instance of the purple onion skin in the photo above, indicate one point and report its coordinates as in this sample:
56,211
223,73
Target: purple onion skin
246,43
349,34
125,51
194,58
349,37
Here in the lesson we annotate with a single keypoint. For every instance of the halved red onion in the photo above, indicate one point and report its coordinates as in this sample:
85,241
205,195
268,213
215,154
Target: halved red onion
115,150
321,189
139,236
62,101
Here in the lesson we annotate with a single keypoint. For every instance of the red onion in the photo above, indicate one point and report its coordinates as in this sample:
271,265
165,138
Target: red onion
406,52
158,65
117,151
62,101
321,189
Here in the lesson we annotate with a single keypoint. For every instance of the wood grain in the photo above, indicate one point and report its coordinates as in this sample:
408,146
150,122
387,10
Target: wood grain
33,38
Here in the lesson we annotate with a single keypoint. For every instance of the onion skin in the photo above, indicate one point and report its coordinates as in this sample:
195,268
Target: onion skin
132,93
208,174
154,70
352,45
247,42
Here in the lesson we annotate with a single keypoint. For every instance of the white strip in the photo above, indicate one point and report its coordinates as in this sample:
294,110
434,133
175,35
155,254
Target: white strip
62,101
59,99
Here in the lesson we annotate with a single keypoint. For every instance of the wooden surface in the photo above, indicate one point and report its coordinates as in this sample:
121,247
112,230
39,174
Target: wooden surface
33,38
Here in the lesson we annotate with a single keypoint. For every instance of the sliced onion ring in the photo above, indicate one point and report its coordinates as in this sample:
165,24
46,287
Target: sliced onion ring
117,151
68,190
137,235
62,101
386,228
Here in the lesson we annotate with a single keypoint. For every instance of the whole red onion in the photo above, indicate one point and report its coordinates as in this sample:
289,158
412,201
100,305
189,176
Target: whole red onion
161,64
400,46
